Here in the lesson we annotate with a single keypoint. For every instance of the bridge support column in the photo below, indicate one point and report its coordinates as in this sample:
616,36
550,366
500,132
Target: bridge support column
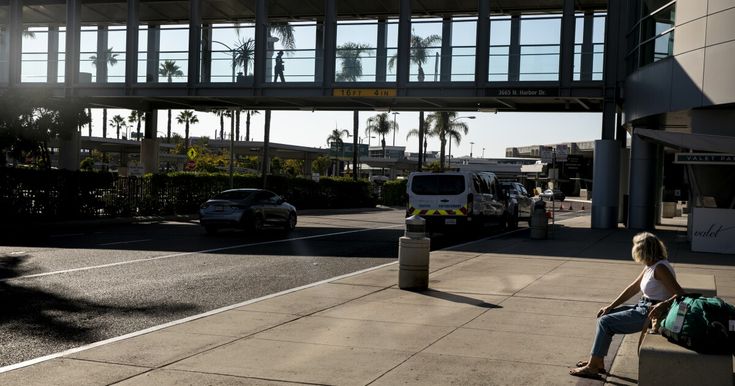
642,208
69,152
605,186
149,148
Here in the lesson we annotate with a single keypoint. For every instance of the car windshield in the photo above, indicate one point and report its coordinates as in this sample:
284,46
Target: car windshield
233,195
438,184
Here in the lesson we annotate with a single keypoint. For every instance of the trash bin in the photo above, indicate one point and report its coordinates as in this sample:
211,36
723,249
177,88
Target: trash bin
539,221
413,256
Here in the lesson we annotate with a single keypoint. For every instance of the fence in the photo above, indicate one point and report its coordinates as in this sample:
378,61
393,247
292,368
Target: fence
43,195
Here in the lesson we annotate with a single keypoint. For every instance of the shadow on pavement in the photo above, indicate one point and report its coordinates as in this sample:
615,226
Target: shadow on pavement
458,298
35,311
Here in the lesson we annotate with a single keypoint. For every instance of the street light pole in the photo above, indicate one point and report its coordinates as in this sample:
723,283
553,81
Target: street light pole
483,153
449,164
471,144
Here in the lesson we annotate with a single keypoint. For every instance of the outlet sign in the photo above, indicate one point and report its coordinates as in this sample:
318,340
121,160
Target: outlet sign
713,230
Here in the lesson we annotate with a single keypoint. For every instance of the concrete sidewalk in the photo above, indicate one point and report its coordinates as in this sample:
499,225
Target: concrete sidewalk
507,310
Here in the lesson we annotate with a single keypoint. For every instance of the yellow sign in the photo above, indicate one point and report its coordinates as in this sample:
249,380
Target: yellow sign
192,153
364,92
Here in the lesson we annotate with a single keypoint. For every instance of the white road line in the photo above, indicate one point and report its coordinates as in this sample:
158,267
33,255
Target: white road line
17,253
188,319
191,253
124,242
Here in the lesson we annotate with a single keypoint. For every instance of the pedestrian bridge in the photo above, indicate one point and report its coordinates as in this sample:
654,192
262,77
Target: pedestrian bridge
339,55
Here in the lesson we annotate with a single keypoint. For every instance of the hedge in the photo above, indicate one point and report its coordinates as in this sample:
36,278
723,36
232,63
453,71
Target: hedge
394,193
60,194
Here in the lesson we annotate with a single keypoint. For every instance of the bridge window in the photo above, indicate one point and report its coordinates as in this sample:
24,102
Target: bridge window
464,32
297,40
540,40
589,46
499,49
357,51
652,38
228,53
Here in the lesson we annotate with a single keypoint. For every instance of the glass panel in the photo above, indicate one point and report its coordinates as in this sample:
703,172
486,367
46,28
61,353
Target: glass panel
34,55
291,52
426,42
464,33
356,52
230,53
499,49
540,39
173,60
392,44
4,44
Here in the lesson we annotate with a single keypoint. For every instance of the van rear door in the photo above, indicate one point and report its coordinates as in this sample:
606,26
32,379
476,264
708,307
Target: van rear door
438,194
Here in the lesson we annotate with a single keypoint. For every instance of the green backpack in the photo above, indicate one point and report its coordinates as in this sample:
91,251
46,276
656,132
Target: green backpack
705,325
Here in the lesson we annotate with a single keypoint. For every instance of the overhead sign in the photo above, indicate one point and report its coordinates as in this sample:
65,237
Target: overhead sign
364,92
546,153
562,151
523,92
192,153
704,159
574,161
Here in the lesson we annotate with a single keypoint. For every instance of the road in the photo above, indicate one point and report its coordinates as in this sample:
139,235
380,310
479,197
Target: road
77,286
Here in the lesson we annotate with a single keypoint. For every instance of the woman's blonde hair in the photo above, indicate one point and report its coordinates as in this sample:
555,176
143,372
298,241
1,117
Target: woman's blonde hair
648,249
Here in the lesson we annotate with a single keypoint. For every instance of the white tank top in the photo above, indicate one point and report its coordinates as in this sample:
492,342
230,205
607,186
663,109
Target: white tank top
653,288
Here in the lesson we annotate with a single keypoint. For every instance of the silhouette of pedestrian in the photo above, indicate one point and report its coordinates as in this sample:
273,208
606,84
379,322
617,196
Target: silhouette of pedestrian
279,67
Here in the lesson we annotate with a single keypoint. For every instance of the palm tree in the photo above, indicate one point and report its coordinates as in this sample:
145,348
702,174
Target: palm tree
118,121
379,124
187,117
447,125
169,69
101,62
351,62
222,113
427,133
136,117
336,138
247,123
419,55
243,53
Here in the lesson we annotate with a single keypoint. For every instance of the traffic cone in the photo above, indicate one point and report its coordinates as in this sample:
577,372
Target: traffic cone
570,206
582,206
561,206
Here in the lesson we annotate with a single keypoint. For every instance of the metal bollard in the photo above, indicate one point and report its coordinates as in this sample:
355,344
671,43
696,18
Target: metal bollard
539,221
413,256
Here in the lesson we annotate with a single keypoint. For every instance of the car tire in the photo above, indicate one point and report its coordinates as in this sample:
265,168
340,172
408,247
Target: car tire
291,222
513,221
257,223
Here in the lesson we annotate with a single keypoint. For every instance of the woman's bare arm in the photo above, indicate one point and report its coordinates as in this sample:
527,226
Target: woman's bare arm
632,289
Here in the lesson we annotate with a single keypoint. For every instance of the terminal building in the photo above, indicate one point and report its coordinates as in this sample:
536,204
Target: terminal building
658,71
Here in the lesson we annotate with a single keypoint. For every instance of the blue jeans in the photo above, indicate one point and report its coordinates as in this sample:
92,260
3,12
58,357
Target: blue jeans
622,320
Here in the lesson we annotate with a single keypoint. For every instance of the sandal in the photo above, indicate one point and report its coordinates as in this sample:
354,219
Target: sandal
584,363
585,372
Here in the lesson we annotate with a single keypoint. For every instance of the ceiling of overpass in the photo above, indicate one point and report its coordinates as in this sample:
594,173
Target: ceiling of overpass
227,11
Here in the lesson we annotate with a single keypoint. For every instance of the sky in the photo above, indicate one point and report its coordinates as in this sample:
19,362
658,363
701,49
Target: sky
489,131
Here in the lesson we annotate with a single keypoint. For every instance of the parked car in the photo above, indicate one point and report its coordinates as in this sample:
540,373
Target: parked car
253,209
518,192
458,200
557,194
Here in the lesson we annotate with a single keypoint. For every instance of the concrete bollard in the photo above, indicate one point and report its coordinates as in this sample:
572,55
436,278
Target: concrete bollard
413,256
539,221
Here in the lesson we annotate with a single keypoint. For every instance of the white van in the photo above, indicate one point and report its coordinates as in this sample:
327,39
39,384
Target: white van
457,200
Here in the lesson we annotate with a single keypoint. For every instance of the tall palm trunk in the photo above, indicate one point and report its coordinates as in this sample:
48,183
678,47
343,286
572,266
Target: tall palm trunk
443,138
221,125
247,127
186,135
89,113
104,123
168,128
237,125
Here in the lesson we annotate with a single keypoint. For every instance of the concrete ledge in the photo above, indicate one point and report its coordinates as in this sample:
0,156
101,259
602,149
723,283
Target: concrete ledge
661,362
664,363
697,283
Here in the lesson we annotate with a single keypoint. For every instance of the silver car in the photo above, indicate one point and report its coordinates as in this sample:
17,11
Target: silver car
518,192
253,209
